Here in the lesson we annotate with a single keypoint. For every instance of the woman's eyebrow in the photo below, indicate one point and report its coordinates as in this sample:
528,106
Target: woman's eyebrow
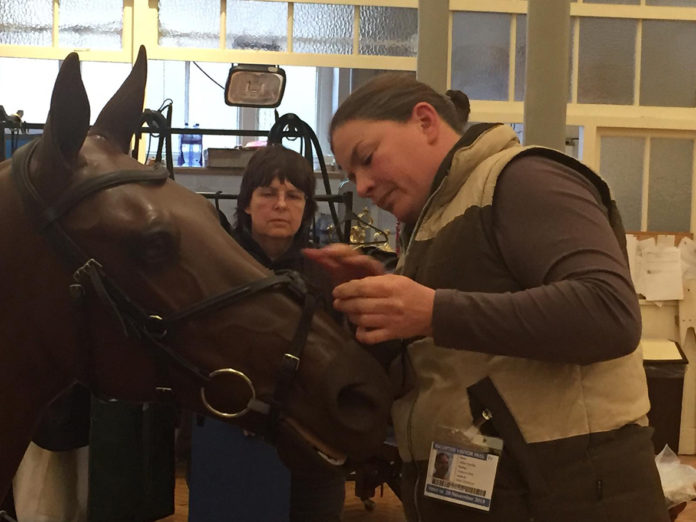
355,156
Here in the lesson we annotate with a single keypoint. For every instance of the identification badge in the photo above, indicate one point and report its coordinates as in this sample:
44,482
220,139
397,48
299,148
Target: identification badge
462,467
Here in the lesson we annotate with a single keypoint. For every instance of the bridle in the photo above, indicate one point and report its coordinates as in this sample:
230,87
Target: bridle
88,273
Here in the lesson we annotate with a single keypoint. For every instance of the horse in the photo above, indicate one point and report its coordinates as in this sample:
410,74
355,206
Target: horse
117,277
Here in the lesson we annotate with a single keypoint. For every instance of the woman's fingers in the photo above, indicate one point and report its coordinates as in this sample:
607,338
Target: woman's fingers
386,307
368,305
374,336
383,307
344,263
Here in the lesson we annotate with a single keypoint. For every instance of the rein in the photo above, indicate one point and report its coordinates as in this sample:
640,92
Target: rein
153,327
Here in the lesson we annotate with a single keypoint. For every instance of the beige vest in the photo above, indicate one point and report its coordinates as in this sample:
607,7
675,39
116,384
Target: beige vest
549,401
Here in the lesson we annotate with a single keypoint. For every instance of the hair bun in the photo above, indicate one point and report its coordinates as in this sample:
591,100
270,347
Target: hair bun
461,104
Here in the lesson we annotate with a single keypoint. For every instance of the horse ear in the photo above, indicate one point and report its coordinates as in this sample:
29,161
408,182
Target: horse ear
120,117
67,123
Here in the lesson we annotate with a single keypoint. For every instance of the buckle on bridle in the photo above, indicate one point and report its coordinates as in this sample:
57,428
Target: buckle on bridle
154,327
90,265
296,283
291,362
77,291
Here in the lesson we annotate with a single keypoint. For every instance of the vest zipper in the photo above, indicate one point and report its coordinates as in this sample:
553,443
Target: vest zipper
422,215
409,438
409,434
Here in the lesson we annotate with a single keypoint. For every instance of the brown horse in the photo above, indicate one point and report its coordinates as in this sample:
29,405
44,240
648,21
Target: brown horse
115,276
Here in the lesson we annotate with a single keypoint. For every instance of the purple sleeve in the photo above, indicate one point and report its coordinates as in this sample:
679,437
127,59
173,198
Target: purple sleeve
578,304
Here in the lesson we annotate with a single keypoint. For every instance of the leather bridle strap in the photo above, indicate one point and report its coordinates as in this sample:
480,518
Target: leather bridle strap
45,217
88,187
135,320
289,365
216,302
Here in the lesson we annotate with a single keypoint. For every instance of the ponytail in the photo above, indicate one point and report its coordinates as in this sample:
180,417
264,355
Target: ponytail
461,105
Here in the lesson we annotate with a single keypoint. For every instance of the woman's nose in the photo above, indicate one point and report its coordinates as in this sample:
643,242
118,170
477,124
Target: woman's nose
363,184
280,200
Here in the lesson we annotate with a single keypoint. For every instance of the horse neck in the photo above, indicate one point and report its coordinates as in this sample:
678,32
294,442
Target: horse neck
32,330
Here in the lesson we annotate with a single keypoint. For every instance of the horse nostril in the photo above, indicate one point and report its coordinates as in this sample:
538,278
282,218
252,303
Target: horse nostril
357,407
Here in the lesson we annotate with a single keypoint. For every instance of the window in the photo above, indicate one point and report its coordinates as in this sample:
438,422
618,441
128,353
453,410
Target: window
650,174
101,79
34,98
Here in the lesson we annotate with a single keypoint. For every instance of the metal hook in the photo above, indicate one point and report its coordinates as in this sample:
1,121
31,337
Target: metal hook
217,200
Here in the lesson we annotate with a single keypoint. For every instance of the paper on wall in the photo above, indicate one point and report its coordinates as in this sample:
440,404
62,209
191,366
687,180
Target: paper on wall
687,247
661,274
656,266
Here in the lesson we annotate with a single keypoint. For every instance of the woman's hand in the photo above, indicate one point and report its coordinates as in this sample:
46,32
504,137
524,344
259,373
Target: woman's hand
386,307
344,263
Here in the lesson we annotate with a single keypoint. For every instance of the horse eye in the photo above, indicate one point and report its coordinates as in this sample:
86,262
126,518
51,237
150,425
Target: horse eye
157,247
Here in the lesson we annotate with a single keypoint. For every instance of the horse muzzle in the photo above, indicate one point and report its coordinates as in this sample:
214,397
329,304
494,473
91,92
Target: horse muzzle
354,397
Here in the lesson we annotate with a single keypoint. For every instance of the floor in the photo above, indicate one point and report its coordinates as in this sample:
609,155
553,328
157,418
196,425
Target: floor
387,507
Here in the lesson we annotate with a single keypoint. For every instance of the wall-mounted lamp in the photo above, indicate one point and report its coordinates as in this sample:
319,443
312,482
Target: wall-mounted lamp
251,85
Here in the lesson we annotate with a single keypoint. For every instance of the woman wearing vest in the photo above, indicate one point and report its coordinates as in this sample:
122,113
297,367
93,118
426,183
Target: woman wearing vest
517,313
234,475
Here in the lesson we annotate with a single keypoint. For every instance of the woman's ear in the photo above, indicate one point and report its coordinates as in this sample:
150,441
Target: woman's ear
427,119
246,210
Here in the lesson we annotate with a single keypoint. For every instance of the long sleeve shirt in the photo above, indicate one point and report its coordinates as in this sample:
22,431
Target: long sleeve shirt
577,293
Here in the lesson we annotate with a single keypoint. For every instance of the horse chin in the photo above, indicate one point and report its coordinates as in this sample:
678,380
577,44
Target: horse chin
297,436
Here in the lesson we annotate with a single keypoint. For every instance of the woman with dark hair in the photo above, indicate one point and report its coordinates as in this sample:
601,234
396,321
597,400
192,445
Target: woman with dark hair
275,207
519,320
236,476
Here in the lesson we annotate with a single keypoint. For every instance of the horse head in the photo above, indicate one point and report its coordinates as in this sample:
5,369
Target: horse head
135,289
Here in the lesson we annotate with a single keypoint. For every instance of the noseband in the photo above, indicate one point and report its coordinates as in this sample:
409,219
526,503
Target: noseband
150,326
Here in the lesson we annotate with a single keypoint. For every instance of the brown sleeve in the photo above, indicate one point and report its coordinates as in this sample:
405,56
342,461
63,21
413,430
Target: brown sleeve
578,306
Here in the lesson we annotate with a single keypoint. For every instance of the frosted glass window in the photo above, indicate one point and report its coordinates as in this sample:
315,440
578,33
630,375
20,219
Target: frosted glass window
94,24
606,60
624,2
388,31
183,23
252,24
101,80
481,54
672,3
668,72
26,23
669,192
34,98
621,166
323,28
521,57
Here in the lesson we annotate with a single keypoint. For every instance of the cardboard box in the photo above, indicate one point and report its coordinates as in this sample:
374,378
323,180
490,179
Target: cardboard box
228,158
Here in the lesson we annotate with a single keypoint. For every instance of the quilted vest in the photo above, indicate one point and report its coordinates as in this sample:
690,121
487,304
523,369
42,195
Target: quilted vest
453,246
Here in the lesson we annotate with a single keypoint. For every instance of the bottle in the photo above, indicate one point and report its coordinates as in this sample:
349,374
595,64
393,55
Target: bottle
195,158
190,149
184,146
